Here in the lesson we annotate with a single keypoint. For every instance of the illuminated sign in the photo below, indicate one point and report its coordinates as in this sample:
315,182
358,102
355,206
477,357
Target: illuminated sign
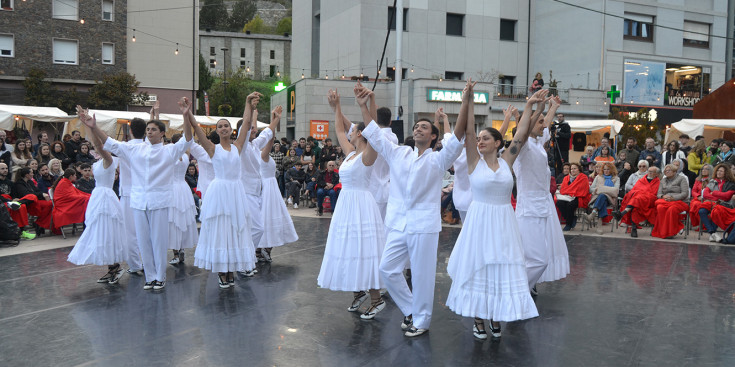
451,95
279,87
643,82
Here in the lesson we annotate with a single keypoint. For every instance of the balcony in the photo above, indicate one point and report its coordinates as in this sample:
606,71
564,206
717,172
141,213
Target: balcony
512,92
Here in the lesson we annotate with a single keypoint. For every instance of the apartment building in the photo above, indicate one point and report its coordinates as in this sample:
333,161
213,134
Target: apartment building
261,56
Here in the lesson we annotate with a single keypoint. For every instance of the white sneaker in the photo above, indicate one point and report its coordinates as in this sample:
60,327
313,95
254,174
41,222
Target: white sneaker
715,237
295,206
174,261
290,201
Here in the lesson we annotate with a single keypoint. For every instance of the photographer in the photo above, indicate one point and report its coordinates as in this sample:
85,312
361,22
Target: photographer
563,133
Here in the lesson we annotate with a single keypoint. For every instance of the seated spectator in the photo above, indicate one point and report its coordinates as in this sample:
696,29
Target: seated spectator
697,157
307,156
33,165
192,179
624,175
295,178
44,154
452,216
312,174
699,202
725,156
642,171
339,154
57,150
25,192
277,157
672,191
604,190
683,169
84,156
713,150
44,180
54,168
86,183
604,143
639,203
18,211
672,152
604,155
573,193
20,157
620,162
69,202
325,186
564,172
717,190
289,161
595,171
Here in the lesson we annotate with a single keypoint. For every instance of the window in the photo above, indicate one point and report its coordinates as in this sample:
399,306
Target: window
243,63
66,9
212,51
638,27
7,45
391,74
108,12
273,54
392,18
696,34
242,52
507,30
455,24
66,52
453,75
212,63
273,70
108,53
505,83
6,4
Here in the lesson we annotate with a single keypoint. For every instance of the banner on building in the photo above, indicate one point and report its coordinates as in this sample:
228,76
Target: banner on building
319,129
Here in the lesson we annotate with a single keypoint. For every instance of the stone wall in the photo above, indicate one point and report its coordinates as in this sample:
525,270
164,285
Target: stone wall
34,29
272,13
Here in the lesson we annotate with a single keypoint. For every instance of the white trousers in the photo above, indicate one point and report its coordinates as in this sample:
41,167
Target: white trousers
421,250
151,227
535,247
131,242
256,217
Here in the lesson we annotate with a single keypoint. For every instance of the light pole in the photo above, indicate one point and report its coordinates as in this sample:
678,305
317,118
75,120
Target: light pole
224,82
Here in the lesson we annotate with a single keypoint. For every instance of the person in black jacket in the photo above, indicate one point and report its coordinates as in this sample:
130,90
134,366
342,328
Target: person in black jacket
84,156
23,188
563,134
325,184
295,178
73,146
86,183
57,151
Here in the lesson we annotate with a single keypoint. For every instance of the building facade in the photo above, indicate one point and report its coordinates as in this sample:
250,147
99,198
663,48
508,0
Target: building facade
262,56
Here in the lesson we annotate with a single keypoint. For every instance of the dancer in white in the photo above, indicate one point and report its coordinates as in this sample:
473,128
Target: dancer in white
182,232
413,216
356,234
544,246
278,227
152,167
204,164
135,265
103,240
487,266
225,243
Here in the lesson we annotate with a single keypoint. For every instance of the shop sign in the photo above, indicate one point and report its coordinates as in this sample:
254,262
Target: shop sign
319,129
680,101
453,95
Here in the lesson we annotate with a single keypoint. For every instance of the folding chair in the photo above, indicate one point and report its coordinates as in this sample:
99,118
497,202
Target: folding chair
53,203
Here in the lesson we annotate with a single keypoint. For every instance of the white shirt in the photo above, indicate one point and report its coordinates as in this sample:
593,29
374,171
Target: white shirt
380,178
204,164
151,172
249,162
633,178
415,189
461,194
125,179
533,178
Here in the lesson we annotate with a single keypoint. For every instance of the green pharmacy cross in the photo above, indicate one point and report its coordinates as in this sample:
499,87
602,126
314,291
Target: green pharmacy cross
613,93
279,87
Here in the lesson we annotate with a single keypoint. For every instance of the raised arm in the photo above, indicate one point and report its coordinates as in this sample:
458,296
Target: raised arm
444,126
508,114
555,103
84,115
275,120
189,119
461,126
524,127
334,102
467,116
251,104
369,155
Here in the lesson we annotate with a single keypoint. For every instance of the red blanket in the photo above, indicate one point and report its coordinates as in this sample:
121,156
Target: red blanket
580,189
69,204
642,198
722,216
668,218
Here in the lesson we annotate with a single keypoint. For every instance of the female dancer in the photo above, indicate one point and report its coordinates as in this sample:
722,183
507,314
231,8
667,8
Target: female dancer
103,239
182,225
225,244
279,229
487,264
356,235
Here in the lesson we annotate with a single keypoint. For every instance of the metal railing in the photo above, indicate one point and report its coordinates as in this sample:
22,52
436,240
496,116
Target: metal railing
521,92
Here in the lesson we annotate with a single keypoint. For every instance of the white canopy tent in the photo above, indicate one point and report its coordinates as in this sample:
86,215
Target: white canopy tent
111,122
594,129
176,122
28,114
709,128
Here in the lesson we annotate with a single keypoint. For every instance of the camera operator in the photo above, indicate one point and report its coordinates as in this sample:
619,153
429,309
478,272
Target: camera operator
563,133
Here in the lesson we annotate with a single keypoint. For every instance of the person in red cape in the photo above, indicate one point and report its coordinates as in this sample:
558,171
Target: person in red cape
639,202
672,191
69,202
706,173
35,201
577,186
718,190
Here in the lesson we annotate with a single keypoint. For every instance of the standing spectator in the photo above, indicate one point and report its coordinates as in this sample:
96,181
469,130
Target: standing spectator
339,155
631,153
537,84
57,151
302,146
697,157
672,152
295,146
328,153
563,134
284,145
684,144
315,148
86,183
651,151
325,184
73,146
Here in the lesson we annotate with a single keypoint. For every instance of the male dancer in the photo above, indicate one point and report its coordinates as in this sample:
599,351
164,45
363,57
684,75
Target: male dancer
150,196
412,214
137,129
544,246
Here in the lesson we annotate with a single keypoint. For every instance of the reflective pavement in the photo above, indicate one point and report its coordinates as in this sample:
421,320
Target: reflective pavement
625,303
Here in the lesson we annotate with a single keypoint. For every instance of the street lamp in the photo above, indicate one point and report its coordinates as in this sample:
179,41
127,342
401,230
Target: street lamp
224,82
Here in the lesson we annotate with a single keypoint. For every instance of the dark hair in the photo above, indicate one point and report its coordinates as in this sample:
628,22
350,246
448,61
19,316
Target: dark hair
75,132
67,173
384,115
84,166
213,137
676,145
22,172
196,171
40,165
44,145
137,128
409,142
160,125
327,139
699,137
684,136
175,137
497,136
632,138
728,143
434,130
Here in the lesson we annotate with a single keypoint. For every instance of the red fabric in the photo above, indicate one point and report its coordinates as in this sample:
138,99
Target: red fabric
553,186
718,195
642,198
513,201
40,209
668,219
696,189
579,189
19,216
694,210
722,216
69,204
